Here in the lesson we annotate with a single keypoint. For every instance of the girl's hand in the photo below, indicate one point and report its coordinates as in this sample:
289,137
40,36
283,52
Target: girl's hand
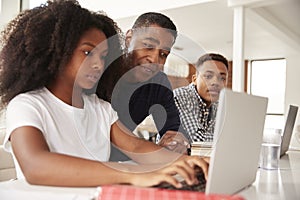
185,167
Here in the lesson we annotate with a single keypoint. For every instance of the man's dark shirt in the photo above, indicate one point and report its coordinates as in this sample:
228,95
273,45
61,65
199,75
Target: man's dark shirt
135,101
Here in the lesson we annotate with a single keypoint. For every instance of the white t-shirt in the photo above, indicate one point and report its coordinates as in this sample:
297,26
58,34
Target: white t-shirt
68,130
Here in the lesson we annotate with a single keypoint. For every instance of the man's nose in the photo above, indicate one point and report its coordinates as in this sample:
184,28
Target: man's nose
153,56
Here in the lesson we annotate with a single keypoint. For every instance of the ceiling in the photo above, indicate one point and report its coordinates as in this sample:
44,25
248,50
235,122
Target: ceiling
271,27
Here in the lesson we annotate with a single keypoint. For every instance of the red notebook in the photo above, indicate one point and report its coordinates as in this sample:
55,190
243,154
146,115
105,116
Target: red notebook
124,192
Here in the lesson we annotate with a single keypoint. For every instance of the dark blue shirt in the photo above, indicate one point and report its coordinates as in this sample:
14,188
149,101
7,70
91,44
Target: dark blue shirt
135,101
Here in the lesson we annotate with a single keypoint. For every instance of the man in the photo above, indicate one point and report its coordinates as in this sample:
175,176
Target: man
140,88
197,102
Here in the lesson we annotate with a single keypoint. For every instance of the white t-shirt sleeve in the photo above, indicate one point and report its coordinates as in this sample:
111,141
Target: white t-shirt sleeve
112,114
16,110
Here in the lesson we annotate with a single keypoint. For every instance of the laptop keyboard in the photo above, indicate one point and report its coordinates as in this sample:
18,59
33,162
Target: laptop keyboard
200,187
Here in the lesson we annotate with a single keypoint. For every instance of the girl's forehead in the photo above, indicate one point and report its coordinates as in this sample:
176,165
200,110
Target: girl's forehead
93,37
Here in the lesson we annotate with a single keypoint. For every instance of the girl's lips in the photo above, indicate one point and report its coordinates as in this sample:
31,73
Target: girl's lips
93,78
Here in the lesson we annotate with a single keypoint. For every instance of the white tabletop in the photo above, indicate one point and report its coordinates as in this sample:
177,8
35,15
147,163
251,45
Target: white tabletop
20,189
283,184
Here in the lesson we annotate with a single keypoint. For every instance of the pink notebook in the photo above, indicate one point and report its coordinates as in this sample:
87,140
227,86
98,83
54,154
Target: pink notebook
125,192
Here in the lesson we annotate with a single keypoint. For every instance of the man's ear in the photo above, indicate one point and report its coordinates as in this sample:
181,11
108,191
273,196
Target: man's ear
128,37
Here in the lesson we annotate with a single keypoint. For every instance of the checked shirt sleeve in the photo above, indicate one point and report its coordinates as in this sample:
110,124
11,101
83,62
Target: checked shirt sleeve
193,115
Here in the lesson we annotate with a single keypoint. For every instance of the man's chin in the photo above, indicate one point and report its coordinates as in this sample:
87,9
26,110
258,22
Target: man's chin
145,77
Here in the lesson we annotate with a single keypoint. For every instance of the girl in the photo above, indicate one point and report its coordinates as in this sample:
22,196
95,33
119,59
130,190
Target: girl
58,130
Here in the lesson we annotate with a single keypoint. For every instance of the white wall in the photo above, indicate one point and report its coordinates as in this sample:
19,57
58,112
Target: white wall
9,9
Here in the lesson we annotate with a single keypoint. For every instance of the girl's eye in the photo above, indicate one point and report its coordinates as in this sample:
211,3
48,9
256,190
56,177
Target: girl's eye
87,53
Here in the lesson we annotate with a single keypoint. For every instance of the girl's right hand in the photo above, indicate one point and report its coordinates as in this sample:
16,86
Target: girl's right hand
185,167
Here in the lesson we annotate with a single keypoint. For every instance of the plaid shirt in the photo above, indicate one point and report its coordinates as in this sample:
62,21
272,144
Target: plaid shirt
196,118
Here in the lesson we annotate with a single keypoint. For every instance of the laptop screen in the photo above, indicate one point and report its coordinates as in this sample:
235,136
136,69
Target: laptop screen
288,129
237,141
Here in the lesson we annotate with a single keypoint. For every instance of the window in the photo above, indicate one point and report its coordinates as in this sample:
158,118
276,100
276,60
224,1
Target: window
179,71
176,66
29,4
35,3
267,78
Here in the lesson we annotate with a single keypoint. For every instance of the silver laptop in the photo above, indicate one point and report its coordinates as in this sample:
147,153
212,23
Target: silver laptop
236,147
288,129
237,141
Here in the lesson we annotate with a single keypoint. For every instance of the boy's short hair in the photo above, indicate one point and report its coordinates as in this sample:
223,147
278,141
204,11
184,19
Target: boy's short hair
212,56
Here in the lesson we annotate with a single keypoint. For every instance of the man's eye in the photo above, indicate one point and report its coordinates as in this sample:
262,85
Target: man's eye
165,55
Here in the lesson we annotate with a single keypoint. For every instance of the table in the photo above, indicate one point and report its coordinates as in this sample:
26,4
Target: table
21,190
281,184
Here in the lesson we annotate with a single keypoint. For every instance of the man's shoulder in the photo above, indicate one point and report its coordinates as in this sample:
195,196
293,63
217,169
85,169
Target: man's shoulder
160,79
160,76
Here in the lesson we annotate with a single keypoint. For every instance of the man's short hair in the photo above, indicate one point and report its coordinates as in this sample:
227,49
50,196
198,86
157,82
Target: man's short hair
150,18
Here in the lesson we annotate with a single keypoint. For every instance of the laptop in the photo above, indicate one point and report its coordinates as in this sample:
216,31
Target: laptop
237,141
288,129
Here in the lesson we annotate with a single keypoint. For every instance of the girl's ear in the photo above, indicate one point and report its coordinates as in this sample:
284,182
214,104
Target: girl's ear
128,37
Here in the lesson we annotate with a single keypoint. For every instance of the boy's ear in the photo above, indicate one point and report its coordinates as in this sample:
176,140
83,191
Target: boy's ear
128,37
194,77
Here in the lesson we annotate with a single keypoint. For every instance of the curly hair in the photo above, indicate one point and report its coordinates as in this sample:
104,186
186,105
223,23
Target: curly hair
39,42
